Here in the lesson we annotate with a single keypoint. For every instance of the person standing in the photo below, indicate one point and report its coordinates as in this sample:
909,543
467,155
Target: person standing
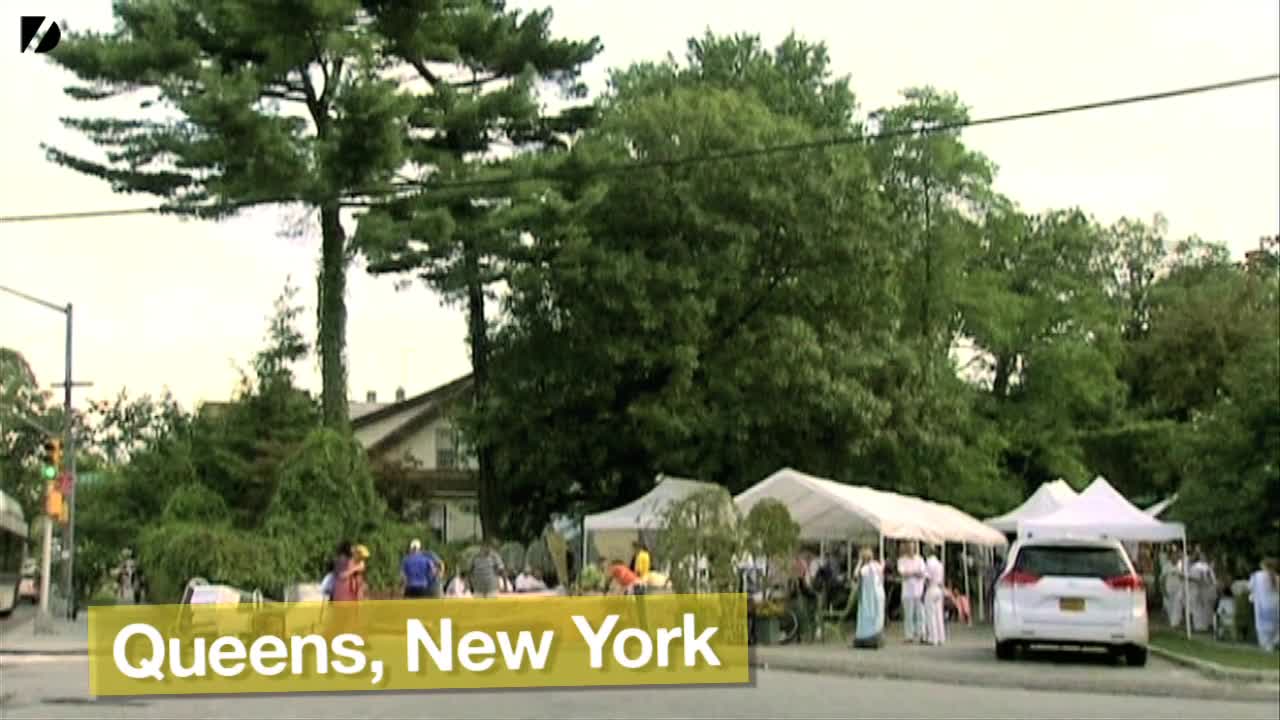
1204,593
1172,572
911,569
1264,592
935,627
418,572
486,569
869,632
641,560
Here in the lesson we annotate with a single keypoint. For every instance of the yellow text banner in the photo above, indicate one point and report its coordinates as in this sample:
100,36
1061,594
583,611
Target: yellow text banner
425,644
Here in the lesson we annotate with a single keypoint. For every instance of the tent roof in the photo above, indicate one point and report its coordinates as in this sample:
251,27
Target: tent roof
1046,499
1101,511
645,513
829,510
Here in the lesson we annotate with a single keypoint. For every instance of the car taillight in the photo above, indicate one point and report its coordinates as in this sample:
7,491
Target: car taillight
1018,577
1125,582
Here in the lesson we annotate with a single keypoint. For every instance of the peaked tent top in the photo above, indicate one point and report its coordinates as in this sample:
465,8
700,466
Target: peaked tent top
646,512
1101,511
1047,498
828,510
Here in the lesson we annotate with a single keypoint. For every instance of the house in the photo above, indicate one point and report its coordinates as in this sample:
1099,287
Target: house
416,436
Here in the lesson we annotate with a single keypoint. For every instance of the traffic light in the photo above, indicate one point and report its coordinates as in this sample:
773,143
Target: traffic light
52,458
53,500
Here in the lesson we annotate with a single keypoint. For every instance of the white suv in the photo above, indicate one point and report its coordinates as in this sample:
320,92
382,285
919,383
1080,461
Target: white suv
1081,593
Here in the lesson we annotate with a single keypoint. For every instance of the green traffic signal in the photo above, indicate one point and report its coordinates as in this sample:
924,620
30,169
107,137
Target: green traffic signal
50,472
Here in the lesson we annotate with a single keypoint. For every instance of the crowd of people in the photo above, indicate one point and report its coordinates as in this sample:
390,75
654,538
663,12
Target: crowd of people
1191,587
423,574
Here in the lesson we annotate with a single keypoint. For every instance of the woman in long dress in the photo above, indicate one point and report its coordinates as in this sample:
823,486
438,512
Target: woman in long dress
1204,594
1264,592
870,576
1172,570
935,624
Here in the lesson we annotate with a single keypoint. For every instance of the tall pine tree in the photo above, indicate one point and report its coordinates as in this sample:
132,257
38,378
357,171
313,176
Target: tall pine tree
246,103
479,66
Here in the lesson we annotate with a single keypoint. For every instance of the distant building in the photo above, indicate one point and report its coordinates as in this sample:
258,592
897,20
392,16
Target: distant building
417,436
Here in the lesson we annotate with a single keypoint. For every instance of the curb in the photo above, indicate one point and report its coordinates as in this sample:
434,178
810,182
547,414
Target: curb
57,652
1252,692
1216,671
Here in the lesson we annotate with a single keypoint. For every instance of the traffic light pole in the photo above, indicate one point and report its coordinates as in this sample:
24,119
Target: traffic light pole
69,442
42,620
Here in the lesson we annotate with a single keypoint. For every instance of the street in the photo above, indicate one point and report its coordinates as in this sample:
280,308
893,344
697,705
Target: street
57,687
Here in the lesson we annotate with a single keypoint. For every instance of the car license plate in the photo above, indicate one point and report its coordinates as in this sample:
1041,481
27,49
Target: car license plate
1071,604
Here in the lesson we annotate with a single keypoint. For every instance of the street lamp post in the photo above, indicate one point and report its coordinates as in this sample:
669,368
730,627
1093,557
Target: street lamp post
69,445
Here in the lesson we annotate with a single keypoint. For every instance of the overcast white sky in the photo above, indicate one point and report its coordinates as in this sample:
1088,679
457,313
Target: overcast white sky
168,303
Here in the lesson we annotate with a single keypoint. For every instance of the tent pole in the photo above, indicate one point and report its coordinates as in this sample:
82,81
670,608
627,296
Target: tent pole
964,562
1186,584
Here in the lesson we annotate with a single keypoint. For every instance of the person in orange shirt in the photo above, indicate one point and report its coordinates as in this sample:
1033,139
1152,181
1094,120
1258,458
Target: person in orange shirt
626,580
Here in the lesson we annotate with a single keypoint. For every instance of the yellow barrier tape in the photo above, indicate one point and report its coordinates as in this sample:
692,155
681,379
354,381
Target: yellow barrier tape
419,645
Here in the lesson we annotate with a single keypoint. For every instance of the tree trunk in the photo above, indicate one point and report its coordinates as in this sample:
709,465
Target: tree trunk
1004,369
332,289
478,336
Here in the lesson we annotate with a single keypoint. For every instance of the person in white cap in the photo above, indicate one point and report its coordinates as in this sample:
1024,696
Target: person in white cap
419,571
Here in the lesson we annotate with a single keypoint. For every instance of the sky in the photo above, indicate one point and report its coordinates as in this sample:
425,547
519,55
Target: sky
163,303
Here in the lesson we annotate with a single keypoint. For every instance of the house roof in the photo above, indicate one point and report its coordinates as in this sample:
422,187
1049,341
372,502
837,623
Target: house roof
417,411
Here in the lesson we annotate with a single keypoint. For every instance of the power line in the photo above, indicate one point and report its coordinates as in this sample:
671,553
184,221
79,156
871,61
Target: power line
507,179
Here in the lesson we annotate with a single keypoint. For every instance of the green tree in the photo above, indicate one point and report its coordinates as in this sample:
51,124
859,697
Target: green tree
1037,307
481,65
696,319
22,403
246,103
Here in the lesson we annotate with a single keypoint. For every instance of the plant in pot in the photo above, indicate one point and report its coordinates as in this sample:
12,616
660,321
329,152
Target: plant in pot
768,622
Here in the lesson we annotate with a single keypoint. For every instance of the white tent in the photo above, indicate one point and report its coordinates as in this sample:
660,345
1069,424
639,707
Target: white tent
1100,511
613,531
827,510
1046,499
646,512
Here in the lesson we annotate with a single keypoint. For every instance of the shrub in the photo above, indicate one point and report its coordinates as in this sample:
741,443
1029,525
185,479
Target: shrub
195,503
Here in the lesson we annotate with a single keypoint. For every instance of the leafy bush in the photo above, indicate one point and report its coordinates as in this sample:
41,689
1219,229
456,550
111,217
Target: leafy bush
324,495
769,532
701,526
195,503
172,553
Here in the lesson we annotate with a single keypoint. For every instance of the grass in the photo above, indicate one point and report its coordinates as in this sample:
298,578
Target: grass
1231,655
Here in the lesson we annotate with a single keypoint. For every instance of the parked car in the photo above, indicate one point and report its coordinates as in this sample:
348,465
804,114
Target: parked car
29,583
1071,593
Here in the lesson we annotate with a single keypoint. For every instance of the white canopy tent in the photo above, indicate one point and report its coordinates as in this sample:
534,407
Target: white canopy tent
1048,498
828,510
1101,511
614,530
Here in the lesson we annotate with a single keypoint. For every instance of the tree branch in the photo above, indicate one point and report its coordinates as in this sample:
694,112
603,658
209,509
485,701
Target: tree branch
425,72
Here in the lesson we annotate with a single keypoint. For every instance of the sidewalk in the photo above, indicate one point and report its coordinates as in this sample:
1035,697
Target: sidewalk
968,658
66,638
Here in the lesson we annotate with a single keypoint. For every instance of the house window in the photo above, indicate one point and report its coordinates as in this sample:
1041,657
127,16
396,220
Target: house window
446,449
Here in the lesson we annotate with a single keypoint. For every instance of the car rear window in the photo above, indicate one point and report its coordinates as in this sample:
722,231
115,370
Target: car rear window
1071,562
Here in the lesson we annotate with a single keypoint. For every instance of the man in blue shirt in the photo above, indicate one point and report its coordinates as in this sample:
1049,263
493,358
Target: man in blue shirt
419,571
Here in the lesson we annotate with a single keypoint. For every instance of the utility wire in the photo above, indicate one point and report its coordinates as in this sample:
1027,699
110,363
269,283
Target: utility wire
512,178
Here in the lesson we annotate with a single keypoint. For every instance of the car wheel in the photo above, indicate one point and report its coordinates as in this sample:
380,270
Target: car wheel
1006,650
1135,656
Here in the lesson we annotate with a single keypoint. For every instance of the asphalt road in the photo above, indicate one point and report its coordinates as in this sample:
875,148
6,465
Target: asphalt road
57,688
